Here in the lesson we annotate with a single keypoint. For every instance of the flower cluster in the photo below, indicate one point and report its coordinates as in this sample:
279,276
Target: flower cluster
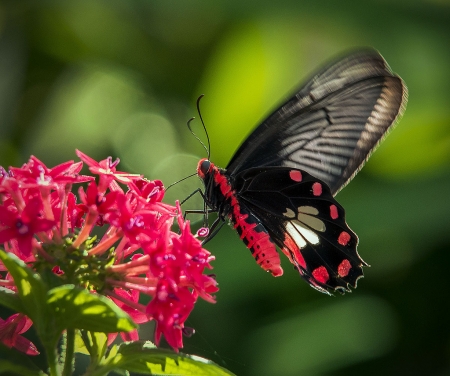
42,223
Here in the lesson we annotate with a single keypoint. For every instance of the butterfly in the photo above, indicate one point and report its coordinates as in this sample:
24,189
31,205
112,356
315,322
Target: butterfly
278,189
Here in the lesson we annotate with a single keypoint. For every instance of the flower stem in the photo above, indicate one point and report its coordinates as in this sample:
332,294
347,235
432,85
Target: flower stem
121,268
70,348
86,230
52,360
137,306
62,219
104,245
149,290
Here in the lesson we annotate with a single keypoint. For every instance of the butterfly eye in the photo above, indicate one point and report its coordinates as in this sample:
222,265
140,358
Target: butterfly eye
204,167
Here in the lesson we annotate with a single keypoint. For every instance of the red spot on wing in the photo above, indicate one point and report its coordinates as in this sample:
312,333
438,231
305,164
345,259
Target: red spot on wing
295,175
320,274
317,189
334,212
344,238
344,268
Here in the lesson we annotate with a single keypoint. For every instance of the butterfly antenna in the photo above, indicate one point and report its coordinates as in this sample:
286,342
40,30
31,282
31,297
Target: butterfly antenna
179,181
207,148
201,142
204,127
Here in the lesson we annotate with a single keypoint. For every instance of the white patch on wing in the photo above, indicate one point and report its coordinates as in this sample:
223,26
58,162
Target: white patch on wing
289,213
312,222
292,230
308,210
305,233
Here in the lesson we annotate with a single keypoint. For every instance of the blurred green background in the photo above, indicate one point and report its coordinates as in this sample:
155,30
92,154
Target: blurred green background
121,78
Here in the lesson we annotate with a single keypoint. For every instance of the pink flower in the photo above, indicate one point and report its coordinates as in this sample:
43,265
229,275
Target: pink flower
170,308
150,191
36,172
138,253
107,171
137,316
11,330
196,260
75,212
97,201
24,226
137,225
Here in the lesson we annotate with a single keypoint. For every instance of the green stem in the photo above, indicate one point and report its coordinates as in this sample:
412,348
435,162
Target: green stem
51,360
91,344
70,349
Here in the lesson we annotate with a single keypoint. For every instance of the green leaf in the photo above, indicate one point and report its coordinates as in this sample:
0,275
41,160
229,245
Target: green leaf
11,299
33,295
80,346
11,369
145,359
30,287
97,343
76,308
14,362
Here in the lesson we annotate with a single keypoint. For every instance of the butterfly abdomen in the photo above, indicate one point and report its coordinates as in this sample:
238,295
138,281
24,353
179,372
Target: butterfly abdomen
256,238
222,197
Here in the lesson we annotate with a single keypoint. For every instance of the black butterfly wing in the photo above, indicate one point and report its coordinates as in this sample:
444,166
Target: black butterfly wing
333,123
306,222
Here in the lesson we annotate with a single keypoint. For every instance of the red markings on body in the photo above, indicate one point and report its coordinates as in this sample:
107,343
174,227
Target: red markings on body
344,238
317,189
295,175
334,212
265,253
223,183
320,274
344,268
250,230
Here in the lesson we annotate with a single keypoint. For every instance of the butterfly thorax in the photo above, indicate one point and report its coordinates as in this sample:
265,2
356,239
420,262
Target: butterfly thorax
217,195
221,197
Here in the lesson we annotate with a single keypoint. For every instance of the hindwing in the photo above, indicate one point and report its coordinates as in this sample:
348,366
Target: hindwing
306,222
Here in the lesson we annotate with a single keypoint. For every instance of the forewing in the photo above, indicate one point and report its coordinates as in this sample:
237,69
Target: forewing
332,124
306,222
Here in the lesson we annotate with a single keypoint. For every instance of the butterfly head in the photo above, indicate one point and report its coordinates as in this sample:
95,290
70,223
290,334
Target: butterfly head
204,168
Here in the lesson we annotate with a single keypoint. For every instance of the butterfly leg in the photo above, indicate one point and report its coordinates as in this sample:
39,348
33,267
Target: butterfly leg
198,190
205,210
213,230
205,213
